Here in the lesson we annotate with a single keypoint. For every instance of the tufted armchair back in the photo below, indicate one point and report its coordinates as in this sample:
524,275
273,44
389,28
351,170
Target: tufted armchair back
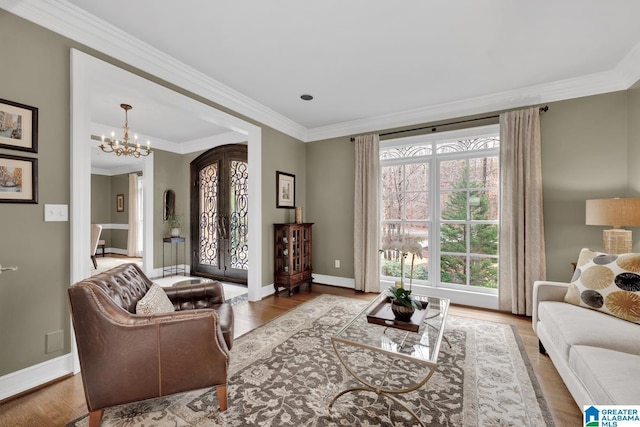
125,285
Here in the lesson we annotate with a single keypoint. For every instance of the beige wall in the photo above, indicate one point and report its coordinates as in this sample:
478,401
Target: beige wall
633,130
104,190
330,195
101,204
33,300
285,154
584,156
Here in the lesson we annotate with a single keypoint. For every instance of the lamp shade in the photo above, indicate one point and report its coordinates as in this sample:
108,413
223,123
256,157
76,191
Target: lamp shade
615,212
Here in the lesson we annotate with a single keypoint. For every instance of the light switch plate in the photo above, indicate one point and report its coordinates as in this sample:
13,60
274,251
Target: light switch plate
56,213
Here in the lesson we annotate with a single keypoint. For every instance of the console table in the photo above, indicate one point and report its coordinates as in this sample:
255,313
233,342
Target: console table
173,269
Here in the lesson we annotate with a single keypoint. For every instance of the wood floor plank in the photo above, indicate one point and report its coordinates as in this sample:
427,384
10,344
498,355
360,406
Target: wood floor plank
63,401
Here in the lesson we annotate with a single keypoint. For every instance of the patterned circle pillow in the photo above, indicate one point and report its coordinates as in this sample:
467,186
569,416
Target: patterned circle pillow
607,283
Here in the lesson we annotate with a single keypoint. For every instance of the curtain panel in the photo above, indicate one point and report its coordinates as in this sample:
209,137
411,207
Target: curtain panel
521,239
366,213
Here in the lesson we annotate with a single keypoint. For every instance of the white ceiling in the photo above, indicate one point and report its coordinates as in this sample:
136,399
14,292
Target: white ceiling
373,57
370,64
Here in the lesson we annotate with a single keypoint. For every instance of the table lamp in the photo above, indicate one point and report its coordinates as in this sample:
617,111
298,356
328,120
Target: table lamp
617,213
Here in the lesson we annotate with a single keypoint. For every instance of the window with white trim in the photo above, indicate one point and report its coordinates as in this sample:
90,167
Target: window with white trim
441,191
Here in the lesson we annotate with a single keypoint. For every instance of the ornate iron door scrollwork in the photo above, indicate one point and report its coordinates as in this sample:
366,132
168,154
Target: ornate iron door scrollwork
219,205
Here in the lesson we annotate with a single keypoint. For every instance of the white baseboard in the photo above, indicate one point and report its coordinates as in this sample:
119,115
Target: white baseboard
115,226
474,299
111,251
320,279
34,376
267,290
343,282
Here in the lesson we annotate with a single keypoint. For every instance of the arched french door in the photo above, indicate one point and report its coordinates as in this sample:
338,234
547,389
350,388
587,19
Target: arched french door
219,213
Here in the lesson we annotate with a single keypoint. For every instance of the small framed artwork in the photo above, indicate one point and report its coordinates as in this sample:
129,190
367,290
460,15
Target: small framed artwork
285,190
18,126
120,203
18,179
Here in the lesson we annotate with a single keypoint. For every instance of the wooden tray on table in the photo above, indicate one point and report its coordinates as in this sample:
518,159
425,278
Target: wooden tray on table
382,315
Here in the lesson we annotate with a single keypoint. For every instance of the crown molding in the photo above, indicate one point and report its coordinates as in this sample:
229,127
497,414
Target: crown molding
76,24
566,89
629,67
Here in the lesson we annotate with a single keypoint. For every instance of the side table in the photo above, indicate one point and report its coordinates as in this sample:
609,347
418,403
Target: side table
173,269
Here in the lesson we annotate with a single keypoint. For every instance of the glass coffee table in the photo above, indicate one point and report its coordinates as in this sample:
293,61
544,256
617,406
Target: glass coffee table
388,360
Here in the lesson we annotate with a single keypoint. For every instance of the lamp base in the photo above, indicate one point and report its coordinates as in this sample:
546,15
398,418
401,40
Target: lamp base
617,241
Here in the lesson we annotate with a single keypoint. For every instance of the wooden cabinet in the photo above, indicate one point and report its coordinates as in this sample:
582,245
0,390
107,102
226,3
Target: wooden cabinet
292,256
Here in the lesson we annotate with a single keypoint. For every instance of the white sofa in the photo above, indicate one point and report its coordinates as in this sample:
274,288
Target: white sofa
596,354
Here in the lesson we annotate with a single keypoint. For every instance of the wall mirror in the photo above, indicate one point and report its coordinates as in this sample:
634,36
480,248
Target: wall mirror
169,204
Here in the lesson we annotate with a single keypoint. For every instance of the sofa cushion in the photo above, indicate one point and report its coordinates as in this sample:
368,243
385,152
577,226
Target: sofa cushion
571,325
607,283
608,375
155,301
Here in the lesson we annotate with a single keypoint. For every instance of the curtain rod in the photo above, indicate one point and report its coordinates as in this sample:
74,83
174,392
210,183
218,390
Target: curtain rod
433,128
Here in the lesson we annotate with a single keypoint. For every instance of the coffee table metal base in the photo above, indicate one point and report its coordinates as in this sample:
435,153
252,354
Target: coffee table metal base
389,393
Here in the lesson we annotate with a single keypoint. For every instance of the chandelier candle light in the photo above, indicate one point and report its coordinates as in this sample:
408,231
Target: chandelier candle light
125,148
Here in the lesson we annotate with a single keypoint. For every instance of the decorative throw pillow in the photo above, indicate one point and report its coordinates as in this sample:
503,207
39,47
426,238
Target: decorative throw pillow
155,301
608,283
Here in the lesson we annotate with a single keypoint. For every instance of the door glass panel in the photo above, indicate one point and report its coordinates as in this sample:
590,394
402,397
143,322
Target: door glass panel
208,242
238,215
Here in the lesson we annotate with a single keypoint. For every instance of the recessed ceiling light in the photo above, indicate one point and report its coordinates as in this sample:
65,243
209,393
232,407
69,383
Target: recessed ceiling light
306,97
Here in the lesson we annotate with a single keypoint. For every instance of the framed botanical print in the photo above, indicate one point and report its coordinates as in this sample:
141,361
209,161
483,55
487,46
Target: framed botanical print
120,203
285,190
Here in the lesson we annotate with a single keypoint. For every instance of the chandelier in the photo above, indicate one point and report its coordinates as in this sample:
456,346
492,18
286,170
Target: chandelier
125,147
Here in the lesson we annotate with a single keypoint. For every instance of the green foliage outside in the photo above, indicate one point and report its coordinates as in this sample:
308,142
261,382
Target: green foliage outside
483,238
392,268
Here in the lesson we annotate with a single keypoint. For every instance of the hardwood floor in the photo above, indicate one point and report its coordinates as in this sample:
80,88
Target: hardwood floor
63,401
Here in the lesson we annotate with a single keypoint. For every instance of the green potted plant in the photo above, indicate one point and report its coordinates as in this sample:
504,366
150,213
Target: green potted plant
174,220
402,305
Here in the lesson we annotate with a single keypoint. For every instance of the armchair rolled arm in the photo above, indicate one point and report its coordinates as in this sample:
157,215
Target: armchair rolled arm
546,291
204,295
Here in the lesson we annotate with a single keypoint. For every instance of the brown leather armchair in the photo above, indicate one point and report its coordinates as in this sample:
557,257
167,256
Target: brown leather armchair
126,357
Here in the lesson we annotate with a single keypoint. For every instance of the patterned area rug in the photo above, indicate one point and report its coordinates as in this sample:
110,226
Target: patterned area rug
286,373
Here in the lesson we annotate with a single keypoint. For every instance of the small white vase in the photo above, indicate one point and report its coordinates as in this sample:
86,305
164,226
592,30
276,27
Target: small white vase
175,232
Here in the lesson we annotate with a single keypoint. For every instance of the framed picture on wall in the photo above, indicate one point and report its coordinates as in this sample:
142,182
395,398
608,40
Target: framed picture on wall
285,190
120,203
18,126
18,179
